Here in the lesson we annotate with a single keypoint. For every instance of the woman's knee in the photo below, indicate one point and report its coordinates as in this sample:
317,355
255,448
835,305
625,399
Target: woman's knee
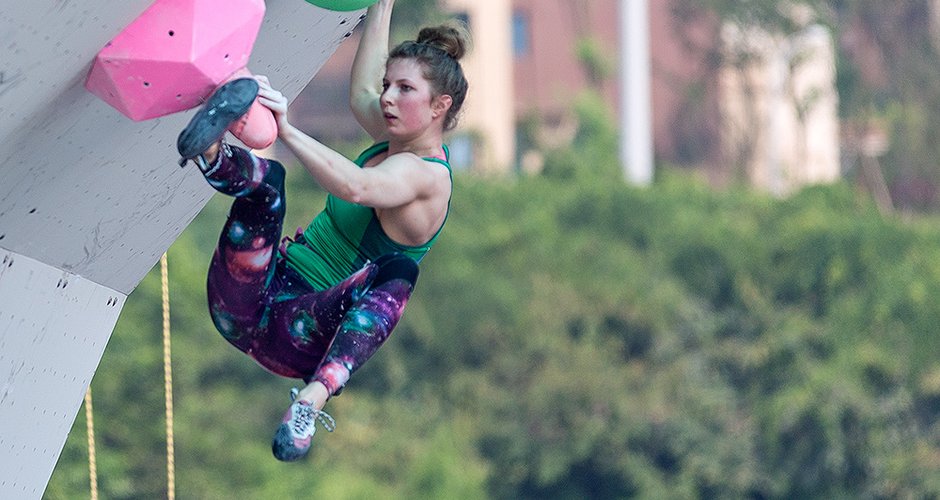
396,266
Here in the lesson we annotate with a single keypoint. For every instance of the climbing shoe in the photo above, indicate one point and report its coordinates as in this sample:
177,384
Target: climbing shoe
294,435
226,105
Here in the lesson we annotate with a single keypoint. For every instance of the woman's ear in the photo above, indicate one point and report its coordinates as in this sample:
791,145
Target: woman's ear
440,105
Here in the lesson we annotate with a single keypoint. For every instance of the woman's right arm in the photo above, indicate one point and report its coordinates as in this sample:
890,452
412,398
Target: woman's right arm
396,181
368,69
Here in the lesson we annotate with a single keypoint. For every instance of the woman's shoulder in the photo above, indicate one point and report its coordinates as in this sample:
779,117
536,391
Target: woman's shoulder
371,152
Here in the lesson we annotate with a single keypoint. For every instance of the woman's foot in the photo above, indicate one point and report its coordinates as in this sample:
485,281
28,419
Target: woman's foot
314,393
211,154
295,434
226,105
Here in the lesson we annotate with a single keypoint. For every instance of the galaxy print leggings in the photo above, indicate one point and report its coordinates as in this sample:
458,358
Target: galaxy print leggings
267,310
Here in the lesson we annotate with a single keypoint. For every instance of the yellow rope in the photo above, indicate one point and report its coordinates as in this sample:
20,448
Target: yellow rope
168,382
92,461
168,390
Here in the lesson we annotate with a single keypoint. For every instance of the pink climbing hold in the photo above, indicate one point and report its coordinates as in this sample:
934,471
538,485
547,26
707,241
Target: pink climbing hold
174,55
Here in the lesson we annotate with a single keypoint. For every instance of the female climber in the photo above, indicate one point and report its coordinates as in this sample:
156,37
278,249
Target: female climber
317,306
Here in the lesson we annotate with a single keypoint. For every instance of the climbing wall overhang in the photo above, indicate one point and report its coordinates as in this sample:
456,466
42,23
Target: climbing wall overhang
89,201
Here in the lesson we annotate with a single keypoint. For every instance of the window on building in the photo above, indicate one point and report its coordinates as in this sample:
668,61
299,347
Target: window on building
464,18
520,33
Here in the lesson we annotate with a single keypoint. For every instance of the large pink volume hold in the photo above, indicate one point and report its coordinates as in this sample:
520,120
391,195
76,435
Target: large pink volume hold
174,55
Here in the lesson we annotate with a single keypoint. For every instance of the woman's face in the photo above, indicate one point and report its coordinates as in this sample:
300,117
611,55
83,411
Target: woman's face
407,101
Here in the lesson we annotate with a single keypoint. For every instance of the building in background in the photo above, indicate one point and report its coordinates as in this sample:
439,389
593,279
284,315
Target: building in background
487,127
772,121
779,107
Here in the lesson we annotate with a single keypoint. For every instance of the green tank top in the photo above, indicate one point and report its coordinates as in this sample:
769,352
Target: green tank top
344,236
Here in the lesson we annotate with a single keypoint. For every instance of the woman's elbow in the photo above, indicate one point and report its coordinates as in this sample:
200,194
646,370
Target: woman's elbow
362,99
352,191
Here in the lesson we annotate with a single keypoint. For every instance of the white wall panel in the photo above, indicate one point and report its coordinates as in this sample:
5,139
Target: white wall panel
54,327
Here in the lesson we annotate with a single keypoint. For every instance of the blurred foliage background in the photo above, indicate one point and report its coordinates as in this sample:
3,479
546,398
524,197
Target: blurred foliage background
571,337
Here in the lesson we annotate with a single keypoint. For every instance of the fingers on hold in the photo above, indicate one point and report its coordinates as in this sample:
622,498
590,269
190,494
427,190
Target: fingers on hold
270,94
